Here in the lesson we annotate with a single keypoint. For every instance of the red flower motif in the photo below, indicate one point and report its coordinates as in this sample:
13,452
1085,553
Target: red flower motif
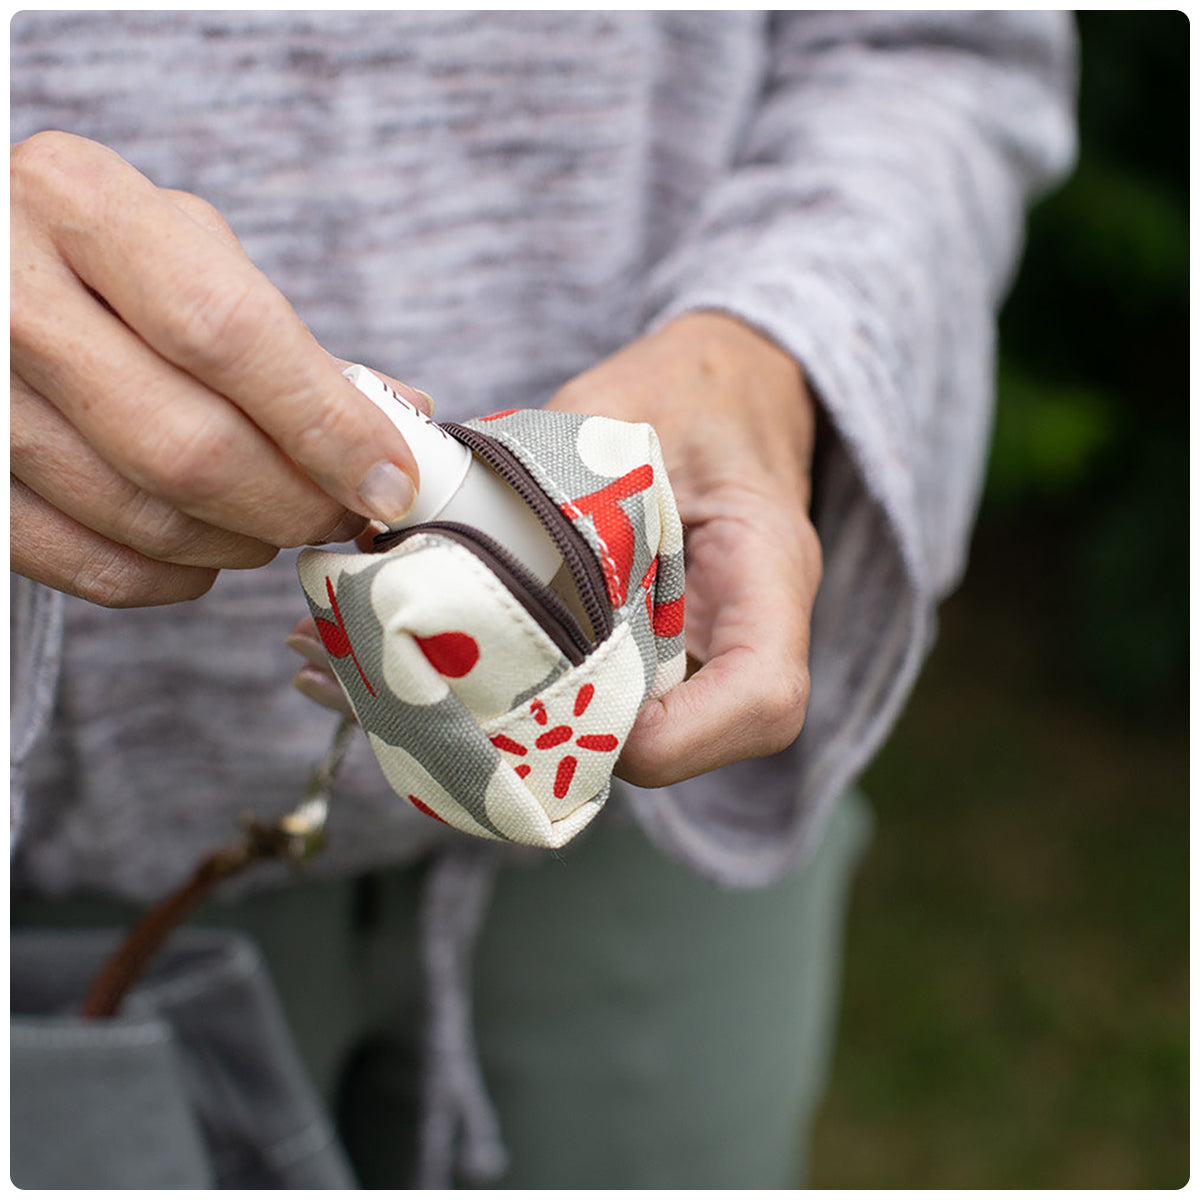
558,735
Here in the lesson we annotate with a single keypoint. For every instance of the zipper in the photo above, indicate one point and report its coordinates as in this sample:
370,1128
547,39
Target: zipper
580,558
546,608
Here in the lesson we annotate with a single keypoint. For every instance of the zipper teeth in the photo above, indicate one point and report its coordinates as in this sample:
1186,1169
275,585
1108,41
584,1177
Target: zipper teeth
535,597
579,556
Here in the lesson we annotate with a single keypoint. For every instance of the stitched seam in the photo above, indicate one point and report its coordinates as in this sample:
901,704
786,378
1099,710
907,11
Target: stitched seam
550,485
529,628
611,575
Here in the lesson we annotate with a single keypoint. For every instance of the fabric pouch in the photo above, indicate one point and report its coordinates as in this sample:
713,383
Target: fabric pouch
493,701
196,1084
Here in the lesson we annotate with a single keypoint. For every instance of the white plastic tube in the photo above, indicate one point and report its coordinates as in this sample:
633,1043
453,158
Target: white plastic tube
457,486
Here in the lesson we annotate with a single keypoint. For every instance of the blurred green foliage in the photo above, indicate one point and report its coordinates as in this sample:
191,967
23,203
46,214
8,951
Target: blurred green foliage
1015,1009
1090,456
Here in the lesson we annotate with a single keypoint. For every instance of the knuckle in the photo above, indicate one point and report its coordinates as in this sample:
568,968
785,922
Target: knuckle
171,542
115,576
206,215
196,207
782,715
193,467
52,170
221,319
164,533
110,577
45,157
329,424
156,529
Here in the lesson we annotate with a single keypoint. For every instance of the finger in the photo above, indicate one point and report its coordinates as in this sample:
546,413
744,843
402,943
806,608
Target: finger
307,643
349,529
750,696
165,432
51,548
206,216
316,680
306,627
323,688
739,705
50,457
201,305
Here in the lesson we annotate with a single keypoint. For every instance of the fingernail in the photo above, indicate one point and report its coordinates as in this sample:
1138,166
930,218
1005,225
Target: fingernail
308,648
350,526
415,396
321,689
386,492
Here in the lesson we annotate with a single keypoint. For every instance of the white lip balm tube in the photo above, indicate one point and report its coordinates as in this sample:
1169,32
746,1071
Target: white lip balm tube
457,486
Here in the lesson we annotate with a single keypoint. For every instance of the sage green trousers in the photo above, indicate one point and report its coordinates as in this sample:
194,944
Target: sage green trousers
637,1027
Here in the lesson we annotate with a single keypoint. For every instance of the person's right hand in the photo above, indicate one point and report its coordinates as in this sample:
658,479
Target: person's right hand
170,413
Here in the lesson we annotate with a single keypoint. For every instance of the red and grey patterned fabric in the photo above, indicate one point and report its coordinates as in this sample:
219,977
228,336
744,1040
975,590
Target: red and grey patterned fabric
479,711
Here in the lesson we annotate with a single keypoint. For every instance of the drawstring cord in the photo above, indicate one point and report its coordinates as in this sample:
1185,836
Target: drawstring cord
459,1126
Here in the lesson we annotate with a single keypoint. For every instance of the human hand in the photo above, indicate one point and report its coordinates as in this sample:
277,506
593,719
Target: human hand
170,413
736,423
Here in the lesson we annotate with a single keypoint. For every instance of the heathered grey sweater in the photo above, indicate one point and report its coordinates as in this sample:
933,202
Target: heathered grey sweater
484,206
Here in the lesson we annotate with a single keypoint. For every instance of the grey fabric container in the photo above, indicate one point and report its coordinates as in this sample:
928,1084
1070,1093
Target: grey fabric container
195,1085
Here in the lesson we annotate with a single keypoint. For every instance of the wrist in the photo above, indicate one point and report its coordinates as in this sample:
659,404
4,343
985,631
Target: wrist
731,344
731,350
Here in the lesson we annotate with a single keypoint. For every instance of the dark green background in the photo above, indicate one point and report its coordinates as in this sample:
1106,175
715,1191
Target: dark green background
1016,982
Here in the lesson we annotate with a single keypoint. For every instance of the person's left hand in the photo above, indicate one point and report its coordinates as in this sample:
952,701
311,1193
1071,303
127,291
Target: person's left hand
736,423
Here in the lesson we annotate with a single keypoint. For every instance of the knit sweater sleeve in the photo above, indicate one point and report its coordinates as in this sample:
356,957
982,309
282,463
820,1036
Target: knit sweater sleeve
871,225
